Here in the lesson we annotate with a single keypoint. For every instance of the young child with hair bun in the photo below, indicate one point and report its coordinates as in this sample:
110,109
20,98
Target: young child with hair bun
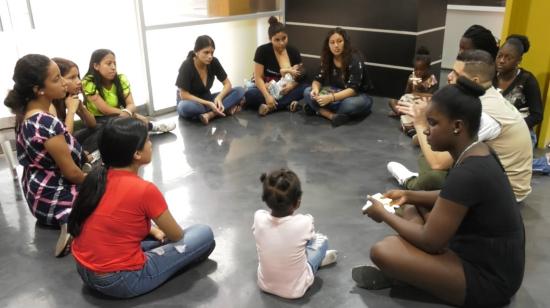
289,250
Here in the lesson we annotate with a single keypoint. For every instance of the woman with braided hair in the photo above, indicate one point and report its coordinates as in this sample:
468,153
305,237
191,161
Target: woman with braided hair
478,37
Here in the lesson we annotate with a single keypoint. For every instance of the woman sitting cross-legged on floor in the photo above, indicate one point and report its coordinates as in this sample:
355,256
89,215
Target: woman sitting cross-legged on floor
195,79
339,90
112,219
278,74
107,93
466,243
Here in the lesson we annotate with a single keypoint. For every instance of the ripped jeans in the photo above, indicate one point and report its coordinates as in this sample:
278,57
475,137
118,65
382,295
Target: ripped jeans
161,263
316,249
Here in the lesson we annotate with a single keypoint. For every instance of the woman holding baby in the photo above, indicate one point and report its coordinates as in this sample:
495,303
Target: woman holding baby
278,74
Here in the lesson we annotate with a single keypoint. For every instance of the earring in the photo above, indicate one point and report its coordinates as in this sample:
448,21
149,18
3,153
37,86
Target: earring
455,132
41,92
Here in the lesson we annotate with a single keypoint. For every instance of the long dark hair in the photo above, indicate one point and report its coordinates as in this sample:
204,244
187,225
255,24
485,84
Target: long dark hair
461,101
30,71
118,140
94,76
64,68
201,42
482,38
327,58
275,26
281,191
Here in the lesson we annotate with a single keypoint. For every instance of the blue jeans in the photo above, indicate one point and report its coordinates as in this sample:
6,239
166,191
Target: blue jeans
254,97
316,249
358,105
161,263
541,165
191,109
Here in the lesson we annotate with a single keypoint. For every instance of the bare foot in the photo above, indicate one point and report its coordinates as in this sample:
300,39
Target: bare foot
234,109
204,118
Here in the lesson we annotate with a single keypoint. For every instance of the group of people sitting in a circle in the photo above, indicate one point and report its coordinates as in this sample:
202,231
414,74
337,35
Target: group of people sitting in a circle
460,234
338,92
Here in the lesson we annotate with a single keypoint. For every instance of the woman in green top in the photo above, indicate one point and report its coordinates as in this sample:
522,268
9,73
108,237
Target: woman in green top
108,93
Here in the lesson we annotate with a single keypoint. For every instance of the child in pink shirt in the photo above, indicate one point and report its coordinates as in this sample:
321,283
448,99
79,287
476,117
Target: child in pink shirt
289,250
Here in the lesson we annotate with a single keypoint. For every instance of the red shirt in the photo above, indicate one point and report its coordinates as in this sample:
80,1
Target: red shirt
111,237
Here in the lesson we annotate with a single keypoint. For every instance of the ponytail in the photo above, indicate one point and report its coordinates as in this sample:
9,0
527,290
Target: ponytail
118,139
30,71
17,104
201,42
91,192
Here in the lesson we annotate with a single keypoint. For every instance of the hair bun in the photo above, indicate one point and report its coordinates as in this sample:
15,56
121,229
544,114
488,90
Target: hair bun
469,87
422,50
524,40
273,20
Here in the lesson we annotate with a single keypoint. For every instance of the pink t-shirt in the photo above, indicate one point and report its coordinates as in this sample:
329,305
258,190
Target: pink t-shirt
283,269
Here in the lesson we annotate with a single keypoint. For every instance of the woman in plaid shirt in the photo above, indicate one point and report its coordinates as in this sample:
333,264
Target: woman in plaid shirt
50,155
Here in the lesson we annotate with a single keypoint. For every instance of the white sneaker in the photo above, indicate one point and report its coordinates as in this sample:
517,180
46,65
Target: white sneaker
163,127
330,257
63,245
400,172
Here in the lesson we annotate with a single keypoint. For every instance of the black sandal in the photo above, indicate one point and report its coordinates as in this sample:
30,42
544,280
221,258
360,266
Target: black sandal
294,106
371,278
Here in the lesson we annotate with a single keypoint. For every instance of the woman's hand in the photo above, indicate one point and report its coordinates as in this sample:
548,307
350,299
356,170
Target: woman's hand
271,102
398,197
158,234
325,100
314,93
295,71
72,103
219,104
376,211
215,109
124,114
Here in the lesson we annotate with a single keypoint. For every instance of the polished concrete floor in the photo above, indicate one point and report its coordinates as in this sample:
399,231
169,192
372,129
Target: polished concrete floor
211,175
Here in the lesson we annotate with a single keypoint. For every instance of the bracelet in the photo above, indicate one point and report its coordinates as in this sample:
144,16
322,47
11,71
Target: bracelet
128,112
333,98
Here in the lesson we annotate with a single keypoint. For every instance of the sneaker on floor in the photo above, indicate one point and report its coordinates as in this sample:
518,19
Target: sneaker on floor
330,257
370,278
163,127
339,119
63,246
400,172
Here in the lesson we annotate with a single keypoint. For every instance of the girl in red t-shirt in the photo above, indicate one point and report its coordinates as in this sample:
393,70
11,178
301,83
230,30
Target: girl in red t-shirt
112,217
